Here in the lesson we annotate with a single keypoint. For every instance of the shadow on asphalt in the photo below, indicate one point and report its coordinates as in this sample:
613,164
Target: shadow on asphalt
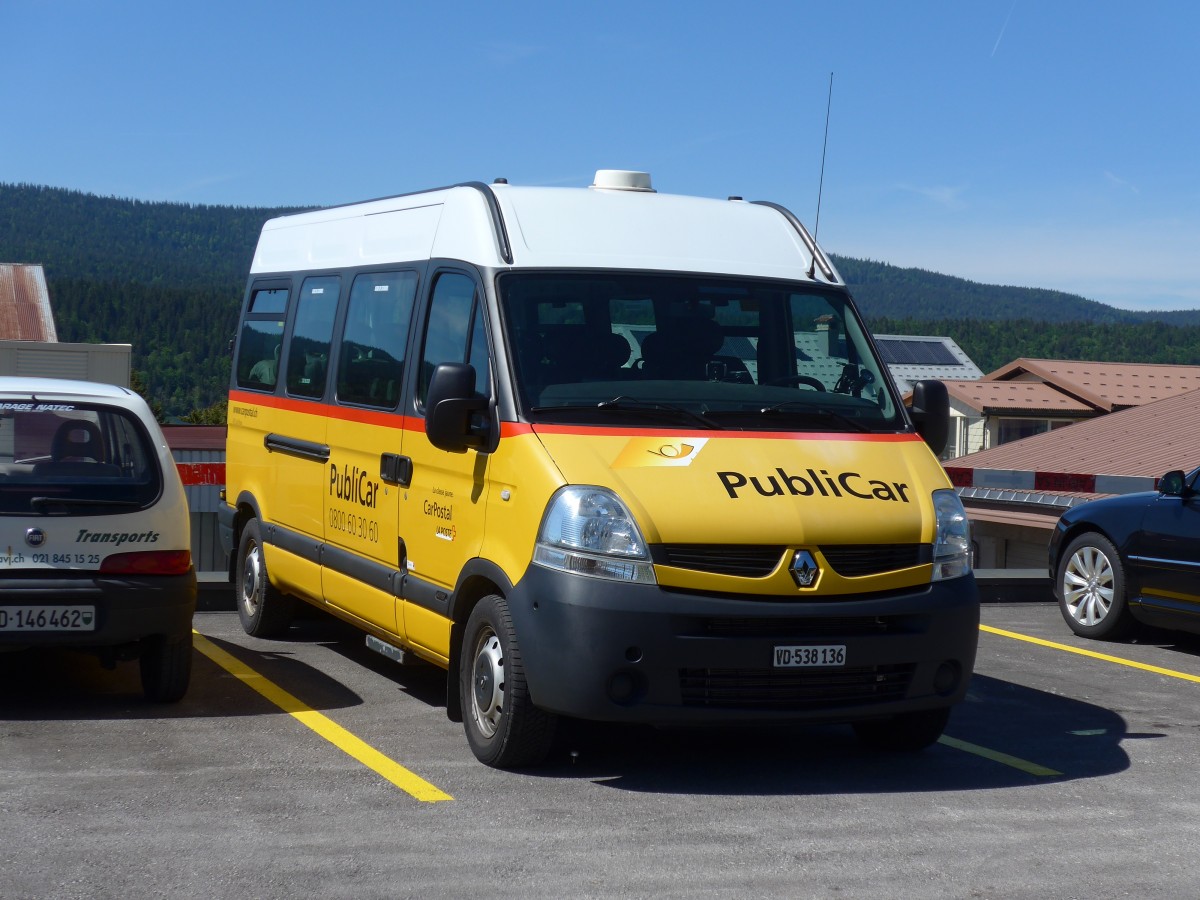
1013,728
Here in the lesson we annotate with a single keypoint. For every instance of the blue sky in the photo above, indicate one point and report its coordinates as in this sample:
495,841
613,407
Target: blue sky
1048,144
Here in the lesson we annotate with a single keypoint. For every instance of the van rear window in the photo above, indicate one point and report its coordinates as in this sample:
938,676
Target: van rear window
67,459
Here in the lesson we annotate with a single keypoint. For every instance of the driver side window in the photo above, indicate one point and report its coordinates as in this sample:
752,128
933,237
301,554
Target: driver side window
455,331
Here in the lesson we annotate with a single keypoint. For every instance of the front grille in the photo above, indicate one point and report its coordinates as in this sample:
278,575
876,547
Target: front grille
744,560
760,560
793,689
857,560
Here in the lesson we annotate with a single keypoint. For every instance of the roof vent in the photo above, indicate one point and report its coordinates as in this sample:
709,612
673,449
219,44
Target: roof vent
622,180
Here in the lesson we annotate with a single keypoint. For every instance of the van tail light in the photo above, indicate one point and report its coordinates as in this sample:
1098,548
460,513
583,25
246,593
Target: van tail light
148,562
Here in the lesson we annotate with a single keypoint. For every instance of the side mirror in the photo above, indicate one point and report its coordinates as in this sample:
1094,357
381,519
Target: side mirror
452,409
931,413
1173,484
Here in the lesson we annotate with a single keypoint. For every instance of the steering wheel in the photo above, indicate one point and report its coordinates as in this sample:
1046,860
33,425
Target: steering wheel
798,380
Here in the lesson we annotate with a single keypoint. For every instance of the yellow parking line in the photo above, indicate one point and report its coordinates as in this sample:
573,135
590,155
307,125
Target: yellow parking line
322,725
1133,664
996,756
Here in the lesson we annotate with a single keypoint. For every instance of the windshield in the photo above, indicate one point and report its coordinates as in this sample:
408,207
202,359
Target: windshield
696,351
66,458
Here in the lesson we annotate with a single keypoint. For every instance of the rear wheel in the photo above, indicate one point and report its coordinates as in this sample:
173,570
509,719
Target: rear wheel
503,726
264,610
906,732
1091,588
166,665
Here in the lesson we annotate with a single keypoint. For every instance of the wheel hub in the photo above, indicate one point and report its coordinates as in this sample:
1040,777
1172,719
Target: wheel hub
487,685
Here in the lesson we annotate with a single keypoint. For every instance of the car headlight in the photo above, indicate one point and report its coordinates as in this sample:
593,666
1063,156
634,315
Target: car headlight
588,531
952,537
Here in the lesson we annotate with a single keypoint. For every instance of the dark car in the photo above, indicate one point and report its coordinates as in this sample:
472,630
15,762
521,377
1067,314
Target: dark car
1128,559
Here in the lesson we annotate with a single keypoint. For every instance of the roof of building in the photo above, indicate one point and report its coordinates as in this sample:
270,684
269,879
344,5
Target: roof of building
992,397
913,358
195,437
1119,453
25,313
1103,385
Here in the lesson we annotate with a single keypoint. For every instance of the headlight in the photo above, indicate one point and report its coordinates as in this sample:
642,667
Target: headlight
952,537
588,531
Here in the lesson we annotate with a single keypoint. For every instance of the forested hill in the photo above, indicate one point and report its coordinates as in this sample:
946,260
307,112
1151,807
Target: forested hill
77,235
889,291
168,278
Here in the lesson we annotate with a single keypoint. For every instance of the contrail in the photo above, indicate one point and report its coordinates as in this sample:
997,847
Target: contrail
1004,27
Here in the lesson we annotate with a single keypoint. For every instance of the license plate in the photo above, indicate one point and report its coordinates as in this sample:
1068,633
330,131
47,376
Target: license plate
810,656
47,618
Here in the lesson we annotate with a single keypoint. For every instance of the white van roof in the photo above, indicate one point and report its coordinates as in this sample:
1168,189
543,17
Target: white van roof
618,223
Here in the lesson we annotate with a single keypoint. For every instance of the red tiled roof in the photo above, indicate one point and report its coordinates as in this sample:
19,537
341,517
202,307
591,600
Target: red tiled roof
195,437
1142,442
1022,396
1105,386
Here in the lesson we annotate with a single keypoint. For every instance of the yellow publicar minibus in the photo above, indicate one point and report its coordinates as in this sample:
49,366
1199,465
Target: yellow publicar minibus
600,453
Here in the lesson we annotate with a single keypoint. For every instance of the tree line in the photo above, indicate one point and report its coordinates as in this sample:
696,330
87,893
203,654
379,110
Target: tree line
168,278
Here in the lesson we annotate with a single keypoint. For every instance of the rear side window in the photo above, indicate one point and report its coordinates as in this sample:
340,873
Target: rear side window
261,341
71,459
308,352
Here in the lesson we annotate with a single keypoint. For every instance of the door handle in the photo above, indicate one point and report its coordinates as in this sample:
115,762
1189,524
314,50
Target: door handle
396,469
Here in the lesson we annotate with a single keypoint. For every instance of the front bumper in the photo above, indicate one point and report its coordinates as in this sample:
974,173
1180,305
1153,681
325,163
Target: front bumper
641,653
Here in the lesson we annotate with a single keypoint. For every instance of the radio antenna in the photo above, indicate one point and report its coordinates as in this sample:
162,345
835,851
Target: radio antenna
821,184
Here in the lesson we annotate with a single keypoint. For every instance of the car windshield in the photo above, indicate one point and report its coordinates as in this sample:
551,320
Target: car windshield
64,458
693,351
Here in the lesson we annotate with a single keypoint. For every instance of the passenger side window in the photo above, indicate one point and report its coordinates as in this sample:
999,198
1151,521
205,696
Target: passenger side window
308,351
371,355
456,331
261,339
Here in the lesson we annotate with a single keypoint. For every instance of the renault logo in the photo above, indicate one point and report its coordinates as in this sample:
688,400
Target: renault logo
804,569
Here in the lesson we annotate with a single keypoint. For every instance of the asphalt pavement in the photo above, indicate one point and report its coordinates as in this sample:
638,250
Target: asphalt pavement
312,766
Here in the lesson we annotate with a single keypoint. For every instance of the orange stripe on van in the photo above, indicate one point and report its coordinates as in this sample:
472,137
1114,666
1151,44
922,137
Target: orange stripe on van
727,435
515,429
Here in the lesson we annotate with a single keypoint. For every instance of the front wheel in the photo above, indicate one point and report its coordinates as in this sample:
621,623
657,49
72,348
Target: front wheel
264,610
906,732
503,727
1091,588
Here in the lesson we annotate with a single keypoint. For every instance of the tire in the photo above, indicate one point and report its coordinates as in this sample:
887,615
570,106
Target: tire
1090,585
904,733
166,665
504,728
265,611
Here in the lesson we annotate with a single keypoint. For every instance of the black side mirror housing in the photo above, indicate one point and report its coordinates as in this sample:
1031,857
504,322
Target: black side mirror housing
453,410
931,413
1173,484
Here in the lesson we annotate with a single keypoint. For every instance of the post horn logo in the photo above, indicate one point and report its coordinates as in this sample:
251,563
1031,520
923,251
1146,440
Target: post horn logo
653,452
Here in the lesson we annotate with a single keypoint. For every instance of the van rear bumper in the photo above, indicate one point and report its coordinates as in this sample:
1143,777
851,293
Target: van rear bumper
128,608
639,653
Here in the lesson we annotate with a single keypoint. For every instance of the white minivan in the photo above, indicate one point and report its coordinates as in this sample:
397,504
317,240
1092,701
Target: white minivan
95,540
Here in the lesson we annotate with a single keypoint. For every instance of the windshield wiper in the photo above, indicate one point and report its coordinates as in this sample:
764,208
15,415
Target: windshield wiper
803,408
633,405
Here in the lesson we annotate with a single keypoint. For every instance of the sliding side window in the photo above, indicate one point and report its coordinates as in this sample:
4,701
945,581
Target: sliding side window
371,356
308,350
